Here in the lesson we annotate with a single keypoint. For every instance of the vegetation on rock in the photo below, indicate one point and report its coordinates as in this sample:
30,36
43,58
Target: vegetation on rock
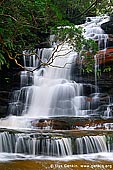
26,24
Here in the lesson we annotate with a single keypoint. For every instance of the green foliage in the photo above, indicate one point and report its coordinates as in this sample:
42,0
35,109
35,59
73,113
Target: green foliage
107,69
24,24
72,35
87,55
76,11
86,48
27,23
88,63
2,59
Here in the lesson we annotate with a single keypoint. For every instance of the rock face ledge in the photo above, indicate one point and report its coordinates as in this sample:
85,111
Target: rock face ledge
4,100
9,80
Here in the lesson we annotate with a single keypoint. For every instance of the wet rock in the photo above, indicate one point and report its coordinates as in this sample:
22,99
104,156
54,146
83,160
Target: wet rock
108,26
60,125
93,123
108,29
52,124
41,124
4,100
105,56
98,99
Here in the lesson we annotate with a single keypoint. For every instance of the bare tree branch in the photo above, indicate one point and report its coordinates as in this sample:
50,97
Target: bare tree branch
6,15
53,57
88,9
61,66
15,60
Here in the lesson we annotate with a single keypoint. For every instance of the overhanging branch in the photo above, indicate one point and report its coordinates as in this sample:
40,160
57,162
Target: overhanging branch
88,9
6,15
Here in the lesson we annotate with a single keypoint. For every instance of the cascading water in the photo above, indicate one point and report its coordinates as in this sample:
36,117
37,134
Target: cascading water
52,93
34,144
51,86
49,94
94,31
91,144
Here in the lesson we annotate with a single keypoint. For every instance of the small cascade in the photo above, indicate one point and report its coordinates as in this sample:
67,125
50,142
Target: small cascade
94,31
36,144
91,144
109,111
30,60
26,78
7,142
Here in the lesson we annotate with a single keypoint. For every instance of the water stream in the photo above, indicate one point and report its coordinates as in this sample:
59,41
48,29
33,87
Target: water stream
50,103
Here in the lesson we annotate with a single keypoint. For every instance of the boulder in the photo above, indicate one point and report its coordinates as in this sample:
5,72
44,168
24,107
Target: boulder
108,26
51,123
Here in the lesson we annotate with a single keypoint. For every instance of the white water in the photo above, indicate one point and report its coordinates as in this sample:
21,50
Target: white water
54,85
91,144
93,30
21,146
5,157
37,144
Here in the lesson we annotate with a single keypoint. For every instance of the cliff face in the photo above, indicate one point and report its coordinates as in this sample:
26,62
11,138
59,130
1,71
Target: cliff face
9,80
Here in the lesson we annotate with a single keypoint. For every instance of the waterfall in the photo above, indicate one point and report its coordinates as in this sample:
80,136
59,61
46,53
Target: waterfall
52,93
91,144
54,85
49,94
49,90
